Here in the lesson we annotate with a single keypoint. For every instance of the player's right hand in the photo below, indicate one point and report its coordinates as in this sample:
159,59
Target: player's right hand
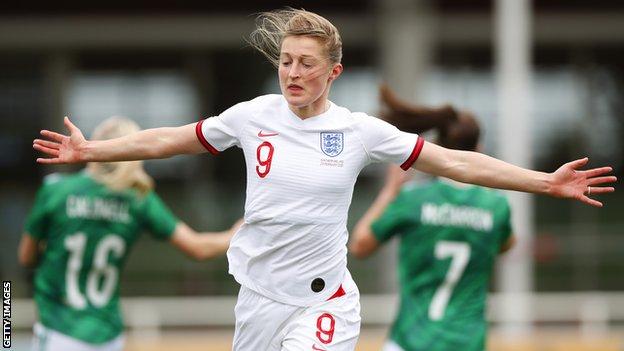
61,148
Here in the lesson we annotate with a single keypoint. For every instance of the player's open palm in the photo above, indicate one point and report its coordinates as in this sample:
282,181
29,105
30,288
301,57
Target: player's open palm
570,182
61,148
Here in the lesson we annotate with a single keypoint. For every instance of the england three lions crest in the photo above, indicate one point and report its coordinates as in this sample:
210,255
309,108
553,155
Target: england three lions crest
332,143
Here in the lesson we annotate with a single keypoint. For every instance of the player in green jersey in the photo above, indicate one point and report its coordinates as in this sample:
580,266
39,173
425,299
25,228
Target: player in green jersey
86,224
450,235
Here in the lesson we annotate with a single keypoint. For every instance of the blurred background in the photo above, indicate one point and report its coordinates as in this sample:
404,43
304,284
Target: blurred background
545,78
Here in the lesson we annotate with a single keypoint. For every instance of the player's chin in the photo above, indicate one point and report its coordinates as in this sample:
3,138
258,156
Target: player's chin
298,100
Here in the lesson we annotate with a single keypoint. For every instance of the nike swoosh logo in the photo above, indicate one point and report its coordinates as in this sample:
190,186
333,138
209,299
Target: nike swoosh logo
316,348
262,134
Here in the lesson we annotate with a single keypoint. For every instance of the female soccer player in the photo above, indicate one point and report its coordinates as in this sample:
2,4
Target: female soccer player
303,154
450,236
87,223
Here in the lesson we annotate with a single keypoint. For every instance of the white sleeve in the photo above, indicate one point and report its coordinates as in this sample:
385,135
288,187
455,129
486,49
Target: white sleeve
386,143
223,131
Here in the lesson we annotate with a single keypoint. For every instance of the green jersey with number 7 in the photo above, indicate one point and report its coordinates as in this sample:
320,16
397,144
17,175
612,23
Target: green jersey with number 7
450,235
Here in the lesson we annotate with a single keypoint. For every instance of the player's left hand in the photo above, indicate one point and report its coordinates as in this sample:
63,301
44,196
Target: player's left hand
570,182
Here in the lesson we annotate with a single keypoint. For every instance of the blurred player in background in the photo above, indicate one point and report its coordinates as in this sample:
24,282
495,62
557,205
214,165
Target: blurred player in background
303,154
451,234
79,234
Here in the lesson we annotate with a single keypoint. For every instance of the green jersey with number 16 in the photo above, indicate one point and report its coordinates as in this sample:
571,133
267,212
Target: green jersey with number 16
88,231
450,235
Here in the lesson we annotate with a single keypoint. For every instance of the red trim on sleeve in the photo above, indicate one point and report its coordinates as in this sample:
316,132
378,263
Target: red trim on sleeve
415,153
202,139
338,293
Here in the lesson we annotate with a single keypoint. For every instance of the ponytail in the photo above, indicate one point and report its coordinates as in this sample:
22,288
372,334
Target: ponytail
456,129
414,118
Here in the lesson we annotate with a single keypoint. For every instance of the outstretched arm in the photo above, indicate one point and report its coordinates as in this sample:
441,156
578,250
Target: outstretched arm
201,246
146,144
476,168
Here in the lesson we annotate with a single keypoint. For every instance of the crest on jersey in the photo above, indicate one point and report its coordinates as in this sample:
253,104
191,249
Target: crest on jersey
332,143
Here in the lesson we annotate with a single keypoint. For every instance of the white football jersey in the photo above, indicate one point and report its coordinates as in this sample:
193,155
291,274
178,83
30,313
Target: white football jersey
300,178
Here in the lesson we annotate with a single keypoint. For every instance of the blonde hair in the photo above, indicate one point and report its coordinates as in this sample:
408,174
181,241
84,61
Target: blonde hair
119,175
272,27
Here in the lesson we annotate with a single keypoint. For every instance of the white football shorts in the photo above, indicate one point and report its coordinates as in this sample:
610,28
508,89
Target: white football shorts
265,324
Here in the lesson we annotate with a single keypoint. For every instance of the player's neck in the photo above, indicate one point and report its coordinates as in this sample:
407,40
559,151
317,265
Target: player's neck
318,107
306,112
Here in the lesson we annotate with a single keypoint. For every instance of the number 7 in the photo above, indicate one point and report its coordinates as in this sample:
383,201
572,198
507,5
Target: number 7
460,253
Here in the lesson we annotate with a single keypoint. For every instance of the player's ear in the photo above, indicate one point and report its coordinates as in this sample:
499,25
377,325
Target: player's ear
335,72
